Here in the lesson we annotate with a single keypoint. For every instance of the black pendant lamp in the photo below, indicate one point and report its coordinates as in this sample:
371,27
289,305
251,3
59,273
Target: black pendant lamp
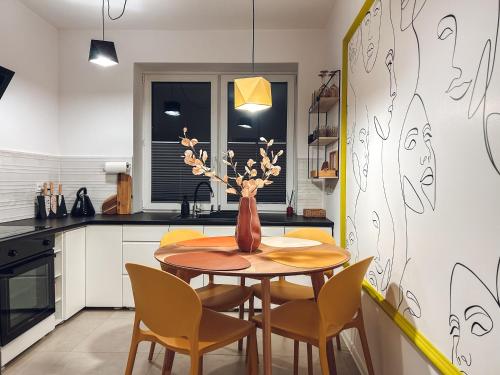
103,52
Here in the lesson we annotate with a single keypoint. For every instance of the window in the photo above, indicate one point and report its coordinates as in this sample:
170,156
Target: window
174,101
244,131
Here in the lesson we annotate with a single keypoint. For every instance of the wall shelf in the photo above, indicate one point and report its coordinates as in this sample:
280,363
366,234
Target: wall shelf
324,104
324,149
324,141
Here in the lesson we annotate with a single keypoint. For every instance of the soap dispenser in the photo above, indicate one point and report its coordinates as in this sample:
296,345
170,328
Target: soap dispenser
185,207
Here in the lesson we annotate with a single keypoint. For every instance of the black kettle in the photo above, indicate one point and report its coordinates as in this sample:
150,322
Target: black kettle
83,206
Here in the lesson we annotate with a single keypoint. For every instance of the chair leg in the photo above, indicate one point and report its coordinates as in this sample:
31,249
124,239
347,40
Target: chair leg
338,342
295,357
252,366
168,362
134,344
364,342
151,351
241,311
331,358
200,368
195,365
310,370
323,358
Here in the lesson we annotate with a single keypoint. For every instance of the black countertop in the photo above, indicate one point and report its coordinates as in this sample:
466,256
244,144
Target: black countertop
157,218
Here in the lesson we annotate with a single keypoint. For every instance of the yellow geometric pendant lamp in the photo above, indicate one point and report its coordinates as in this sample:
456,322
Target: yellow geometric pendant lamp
252,94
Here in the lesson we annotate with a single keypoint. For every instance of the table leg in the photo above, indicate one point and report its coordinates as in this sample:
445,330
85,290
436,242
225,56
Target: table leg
266,325
318,280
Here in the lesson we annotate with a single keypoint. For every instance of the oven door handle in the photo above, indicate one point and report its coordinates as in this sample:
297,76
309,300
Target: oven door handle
10,270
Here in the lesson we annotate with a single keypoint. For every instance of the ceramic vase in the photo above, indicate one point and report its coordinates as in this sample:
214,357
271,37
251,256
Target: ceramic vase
248,233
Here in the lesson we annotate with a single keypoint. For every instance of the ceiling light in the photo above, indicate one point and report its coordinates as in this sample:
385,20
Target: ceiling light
252,94
172,108
103,52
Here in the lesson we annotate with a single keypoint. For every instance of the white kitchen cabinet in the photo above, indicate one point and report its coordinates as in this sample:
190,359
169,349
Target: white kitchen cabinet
325,229
144,233
104,266
73,297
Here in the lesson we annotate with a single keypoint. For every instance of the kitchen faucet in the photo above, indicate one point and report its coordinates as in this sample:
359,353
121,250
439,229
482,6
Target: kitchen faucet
195,209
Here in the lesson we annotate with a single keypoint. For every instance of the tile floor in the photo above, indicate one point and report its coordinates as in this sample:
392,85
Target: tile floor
97,342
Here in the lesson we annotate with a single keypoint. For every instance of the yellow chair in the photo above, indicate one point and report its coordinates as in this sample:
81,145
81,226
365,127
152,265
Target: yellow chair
217,297
172,312
316,323
283,291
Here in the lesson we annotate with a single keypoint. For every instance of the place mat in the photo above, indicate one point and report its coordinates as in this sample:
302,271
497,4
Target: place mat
226,241
288,242
307,258
208,261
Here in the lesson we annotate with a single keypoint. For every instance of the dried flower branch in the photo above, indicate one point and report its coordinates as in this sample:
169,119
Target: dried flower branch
246,184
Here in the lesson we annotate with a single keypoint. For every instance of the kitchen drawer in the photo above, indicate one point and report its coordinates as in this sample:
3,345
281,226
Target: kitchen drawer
128,296
216,230
144,233
140,253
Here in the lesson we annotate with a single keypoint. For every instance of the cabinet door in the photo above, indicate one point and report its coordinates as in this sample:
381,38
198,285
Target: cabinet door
104,266
73,272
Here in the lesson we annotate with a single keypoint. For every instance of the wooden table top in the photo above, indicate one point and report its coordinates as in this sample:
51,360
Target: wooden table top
261,266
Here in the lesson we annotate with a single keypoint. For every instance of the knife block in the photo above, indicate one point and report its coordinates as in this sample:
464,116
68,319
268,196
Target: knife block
121,202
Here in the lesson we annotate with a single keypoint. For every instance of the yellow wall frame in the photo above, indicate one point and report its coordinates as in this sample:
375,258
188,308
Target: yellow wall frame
438,359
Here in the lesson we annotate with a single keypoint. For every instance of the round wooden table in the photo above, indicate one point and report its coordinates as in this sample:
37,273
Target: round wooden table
261,268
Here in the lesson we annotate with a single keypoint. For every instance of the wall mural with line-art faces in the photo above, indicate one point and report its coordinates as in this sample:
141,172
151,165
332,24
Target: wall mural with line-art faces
423,168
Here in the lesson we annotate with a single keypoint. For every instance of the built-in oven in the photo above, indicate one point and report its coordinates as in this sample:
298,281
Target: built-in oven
26,284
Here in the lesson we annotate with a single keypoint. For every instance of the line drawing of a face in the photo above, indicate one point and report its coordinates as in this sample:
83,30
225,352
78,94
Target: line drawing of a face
360,154
352,238
380,274
417,158
492,139
354,49
382,123
473,321
410,10
472,61
370,35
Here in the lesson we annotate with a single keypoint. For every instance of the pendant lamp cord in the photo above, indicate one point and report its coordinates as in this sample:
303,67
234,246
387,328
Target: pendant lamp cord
253,36
109,14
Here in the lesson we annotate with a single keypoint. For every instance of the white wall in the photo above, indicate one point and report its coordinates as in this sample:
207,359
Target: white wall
392,353
29,108
96,104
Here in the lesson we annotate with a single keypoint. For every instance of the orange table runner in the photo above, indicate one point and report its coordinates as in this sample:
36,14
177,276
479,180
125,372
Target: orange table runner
208,261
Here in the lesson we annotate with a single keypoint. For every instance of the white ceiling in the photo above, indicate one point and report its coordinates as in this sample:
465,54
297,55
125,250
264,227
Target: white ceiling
185,14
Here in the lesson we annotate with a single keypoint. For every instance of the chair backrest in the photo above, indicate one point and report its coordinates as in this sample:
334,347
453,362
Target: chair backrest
314,234
179,235
164,303
340,297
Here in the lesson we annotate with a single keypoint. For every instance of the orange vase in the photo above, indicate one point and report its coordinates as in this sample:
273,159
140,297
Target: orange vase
248,226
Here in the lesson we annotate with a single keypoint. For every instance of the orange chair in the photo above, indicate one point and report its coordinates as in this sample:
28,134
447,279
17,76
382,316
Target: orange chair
316,323
172,312
217,297
283,291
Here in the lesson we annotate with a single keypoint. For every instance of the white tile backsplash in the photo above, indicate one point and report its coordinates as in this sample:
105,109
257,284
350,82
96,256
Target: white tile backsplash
21,172
309,192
